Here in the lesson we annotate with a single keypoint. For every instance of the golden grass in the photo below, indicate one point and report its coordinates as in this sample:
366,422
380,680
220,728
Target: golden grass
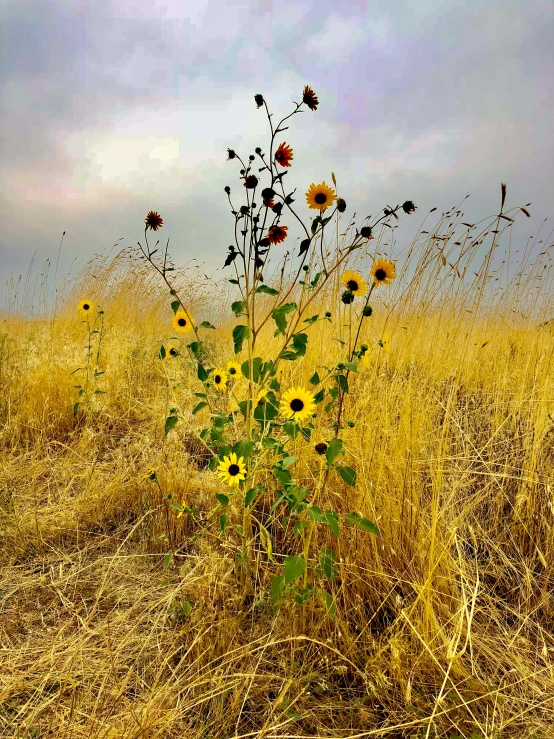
445,623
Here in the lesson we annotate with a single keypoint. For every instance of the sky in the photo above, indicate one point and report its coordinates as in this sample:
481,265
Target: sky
111,109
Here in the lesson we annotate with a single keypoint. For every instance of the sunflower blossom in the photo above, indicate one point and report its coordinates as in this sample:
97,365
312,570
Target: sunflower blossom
232,470
297,403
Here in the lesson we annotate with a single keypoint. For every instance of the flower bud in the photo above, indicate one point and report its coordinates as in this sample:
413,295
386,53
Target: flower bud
305,268
347,297
258,150
366,232
231,154
251,181
227,189
350,424
327,314
408,207
267,193
368,310
321,448
341,205
264,242
251,157
259,100
244,210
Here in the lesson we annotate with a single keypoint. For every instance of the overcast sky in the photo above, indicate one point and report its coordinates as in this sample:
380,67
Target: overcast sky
110,108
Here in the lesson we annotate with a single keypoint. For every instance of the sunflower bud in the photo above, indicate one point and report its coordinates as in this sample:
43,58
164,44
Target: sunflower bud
305,268
341,205
366,232
363,349
231,154
327,314
259,100
267,193
367,311
251,157
408,207
321,448
277,208
244,210
350,424
347,297
227,189
251,181
258,150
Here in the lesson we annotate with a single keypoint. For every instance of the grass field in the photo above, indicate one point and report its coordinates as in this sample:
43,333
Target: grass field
119,621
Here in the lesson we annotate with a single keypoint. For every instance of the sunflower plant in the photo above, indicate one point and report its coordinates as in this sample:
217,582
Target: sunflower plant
93,318
258,429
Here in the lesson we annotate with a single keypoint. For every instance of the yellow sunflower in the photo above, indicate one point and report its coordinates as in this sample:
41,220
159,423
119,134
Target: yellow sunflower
383,272
182,322
220,378
86,307
150,474
297,403
232,470
354,282
320,196
171,351
260,396
233,369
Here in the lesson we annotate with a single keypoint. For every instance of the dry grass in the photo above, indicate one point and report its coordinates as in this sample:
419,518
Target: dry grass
445,623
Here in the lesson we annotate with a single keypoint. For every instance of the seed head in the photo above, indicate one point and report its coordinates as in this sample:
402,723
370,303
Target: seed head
347,297
227,189
408,207
366,232
259,100
368,310
321,448
341,205
231,154
251,181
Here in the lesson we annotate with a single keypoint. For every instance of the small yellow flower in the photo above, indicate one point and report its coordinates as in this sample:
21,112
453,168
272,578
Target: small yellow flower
320,196
182,322
172,351
297,403
220,378
260,396
232,470
233,369
383,272
354,282
150,474
183,507
86,307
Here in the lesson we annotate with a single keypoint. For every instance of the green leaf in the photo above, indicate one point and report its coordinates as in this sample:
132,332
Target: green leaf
244,406
300,342
314,379
328,600
315,223
267,290
333,450
299,526
315,513
256,368
328,563
249,497
357,520
170,423
352,366
223,499
280,316
294,568
311,320
318,397
291,428
206,324
168,559
240,334
265,541
342,382
244,448
175,305
223,522
332,521
239,307
76,408
275,385
288,461
162,352
277,585
202,373
348,474
283,476
269,443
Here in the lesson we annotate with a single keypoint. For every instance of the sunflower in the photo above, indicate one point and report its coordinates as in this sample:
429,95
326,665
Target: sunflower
383,272
86,307
309,97
220,378
269,203
232,470
320,196
150,474
283,155
260,396
171,351
297,403
233,368
276,234
354,282
182,322
153,221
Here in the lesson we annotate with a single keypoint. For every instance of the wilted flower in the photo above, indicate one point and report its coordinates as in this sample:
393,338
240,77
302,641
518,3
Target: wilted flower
231,154
321,448
408,207
365,231
283,155
276,234
309,97
259,100
251,181
341,205
153,221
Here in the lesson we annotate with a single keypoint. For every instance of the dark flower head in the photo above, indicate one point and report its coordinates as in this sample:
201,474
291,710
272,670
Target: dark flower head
408,207
347,297
231,154
227,189
367,311
267,193
251,157
251,181
365,232
153,221
244,210
277,208
264,242
309,97
341,205
259,100
283,155
327,314
321,448
258,150
276,234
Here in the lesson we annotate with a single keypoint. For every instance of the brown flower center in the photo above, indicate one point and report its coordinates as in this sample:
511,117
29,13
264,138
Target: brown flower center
86,306
380,274
320,198
173,352
352,285
232,371
217,379
182,321
234,470
296,405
